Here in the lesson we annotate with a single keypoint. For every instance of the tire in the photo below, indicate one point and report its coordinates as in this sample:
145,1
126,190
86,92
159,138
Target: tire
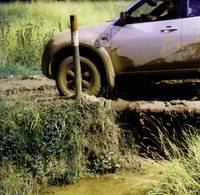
65,77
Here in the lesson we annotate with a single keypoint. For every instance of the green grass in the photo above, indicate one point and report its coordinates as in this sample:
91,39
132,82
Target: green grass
55,143
182,175
60,142
25,29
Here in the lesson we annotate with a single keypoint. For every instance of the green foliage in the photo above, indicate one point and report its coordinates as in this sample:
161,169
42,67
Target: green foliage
106,163
62,176
59,142
54,142
183,174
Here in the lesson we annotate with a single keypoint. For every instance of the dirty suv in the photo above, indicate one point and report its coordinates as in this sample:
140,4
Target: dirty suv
155,39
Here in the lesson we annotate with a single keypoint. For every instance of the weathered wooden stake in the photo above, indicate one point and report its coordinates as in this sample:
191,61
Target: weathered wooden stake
76,54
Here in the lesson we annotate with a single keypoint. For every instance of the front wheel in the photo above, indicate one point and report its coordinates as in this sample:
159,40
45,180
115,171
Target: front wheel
65,77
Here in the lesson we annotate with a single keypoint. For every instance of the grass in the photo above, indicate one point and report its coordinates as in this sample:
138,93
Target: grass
61,142
25,29
170,141
15,181
55,143
182,175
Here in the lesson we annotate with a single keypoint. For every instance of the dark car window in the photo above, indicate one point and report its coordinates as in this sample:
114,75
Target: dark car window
144,9
194,8
161,11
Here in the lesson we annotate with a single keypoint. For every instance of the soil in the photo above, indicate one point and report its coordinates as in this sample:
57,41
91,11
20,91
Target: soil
30,87
165,96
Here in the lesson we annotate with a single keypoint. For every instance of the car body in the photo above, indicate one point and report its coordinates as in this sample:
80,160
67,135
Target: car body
129,45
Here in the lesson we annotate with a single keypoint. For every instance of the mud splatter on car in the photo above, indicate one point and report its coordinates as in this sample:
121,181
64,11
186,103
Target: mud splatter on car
144,40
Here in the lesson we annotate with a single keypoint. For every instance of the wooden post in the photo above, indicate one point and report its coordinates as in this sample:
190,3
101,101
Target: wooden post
76,54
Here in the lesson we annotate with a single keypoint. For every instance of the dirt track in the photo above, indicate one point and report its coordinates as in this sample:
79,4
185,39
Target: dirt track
29,87
178,97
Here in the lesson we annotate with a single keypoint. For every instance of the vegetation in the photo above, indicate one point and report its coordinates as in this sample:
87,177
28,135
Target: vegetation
61,142
56,143
182,175
26,28
174,144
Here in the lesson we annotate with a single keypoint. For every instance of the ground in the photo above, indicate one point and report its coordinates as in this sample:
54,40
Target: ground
176,97
161,100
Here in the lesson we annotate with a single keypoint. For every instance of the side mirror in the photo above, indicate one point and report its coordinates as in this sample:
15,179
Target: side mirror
122,17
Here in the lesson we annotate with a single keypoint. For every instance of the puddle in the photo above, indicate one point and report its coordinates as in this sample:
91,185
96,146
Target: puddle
113,184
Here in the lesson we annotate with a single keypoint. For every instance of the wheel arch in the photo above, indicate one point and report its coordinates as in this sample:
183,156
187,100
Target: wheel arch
100,56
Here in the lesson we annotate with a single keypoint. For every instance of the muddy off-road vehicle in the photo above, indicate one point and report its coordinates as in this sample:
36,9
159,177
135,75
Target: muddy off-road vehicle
149,39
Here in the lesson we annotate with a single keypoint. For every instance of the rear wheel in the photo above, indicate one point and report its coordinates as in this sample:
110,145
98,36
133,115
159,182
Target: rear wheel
65,76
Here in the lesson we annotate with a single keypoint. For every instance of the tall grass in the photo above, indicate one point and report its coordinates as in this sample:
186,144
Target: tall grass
55,143
16,182
171,141
182,175
25,29
181,156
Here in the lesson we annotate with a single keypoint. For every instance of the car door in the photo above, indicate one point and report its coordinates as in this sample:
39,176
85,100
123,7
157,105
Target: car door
152,45
191,35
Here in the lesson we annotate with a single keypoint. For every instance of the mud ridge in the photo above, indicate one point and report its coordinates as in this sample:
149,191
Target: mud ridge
39,88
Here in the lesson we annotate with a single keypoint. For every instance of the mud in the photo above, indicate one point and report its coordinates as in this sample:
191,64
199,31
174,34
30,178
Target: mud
36,86
147,112
139,96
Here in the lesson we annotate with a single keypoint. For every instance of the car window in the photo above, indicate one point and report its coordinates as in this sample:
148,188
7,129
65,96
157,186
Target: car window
162,10
144,9
194,8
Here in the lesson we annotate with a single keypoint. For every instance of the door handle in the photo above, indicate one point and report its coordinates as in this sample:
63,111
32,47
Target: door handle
168,30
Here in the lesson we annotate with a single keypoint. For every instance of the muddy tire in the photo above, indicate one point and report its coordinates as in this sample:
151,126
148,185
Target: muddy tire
65,77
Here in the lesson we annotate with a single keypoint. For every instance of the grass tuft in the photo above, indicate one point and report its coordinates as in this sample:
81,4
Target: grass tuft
182,175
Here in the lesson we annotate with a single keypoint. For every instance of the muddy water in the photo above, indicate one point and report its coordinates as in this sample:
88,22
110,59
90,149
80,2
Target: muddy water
115,184
110,185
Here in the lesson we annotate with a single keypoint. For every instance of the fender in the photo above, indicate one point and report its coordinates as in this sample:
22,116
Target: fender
105,57
52,49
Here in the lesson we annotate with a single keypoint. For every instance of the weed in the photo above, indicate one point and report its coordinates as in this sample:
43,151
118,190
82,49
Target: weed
60,142
53,143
